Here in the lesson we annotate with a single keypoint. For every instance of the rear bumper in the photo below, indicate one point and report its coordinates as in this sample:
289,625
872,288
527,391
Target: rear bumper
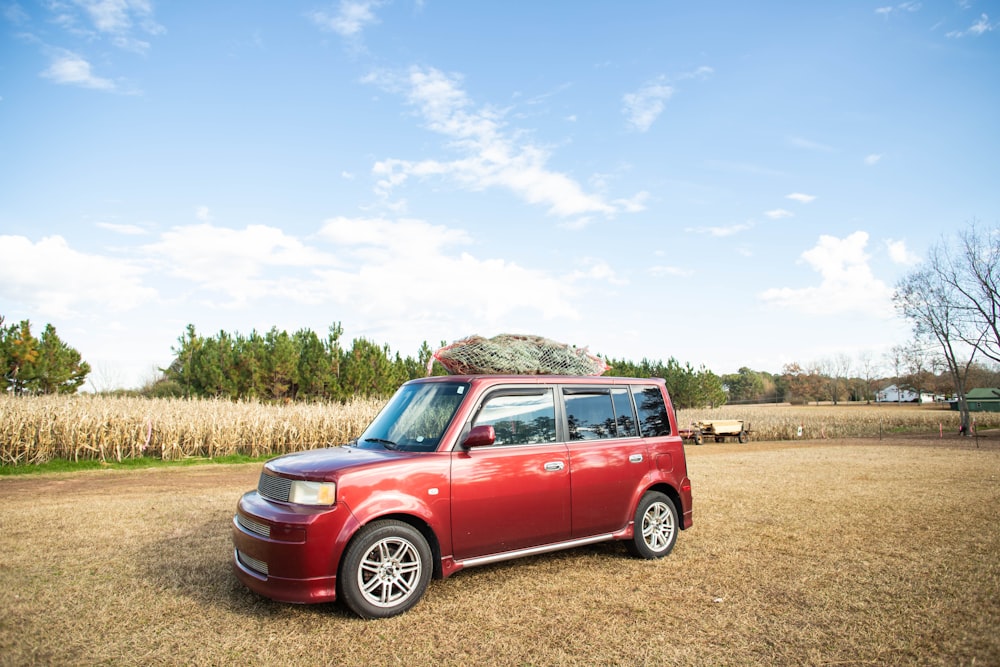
687,514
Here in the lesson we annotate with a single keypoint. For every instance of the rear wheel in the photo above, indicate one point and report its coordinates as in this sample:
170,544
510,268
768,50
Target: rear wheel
655,527
743,437
385,569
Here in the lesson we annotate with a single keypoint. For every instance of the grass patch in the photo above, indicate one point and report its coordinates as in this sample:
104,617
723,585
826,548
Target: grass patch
60,466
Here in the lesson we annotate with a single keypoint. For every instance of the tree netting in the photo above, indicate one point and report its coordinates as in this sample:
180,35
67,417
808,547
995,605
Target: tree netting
517,355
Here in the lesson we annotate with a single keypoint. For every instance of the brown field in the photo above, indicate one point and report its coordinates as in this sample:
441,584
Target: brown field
43,428
820,552
845,420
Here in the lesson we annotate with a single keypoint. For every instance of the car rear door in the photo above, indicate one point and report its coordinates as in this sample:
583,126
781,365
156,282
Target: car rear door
608,461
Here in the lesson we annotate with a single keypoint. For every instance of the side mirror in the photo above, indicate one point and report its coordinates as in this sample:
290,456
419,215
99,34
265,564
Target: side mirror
480,436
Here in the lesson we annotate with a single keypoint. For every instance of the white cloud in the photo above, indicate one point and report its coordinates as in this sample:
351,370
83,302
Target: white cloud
127,230
120,16
71,69
636,204
351,17
118,20
980,27
728,230
900,254
406,271
389,239
491,156
644,106
598,270
888,10
808,144
702,72
847,283
53,280
873,159
800,197
203,214
779,213
235,262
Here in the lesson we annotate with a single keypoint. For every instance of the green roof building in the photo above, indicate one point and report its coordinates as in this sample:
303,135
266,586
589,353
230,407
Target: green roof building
981,400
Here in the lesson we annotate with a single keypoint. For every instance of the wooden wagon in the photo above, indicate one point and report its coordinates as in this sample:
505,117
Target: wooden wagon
720,429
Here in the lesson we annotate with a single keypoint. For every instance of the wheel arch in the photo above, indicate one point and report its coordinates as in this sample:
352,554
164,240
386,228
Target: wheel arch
420,525
670,492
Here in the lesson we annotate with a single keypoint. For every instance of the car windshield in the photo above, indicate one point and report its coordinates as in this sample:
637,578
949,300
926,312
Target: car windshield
415,418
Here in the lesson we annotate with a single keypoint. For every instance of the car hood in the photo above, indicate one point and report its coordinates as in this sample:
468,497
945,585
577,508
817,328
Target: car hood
319,464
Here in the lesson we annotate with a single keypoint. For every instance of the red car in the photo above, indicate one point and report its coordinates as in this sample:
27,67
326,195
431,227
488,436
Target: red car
458,471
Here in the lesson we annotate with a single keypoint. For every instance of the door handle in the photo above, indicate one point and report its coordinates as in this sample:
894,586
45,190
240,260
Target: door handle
635,458
554,466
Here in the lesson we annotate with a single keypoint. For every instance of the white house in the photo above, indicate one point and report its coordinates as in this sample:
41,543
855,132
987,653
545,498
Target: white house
893,394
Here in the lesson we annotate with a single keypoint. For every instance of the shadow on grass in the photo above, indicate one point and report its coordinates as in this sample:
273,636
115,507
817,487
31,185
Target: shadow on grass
196,564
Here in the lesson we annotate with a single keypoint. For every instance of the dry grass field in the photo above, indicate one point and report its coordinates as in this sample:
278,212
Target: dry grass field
820,552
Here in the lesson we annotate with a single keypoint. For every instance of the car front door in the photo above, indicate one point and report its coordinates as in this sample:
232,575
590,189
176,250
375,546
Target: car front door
514,494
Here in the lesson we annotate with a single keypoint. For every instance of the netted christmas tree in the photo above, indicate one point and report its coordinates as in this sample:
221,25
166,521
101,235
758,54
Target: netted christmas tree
517,354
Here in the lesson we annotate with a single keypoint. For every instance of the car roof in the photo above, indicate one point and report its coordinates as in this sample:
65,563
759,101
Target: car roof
539,379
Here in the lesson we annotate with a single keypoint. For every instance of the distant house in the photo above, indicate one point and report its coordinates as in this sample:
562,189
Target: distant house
894,394
985,400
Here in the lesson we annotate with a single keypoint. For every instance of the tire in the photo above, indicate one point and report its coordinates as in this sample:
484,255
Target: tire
743,437
655,527
385,569
698,439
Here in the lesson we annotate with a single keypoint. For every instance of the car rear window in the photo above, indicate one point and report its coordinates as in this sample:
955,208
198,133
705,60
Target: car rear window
653,418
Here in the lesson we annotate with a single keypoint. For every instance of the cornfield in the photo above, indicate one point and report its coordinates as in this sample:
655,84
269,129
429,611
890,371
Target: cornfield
39,429
783,422
43,428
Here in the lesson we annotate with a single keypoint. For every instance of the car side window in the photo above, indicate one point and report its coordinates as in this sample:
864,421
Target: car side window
624,415
590,416
653,418
520,418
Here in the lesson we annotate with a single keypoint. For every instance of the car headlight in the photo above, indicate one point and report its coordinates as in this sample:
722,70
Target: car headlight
312,493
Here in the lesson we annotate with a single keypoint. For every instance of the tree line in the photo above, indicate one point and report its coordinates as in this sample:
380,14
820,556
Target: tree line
42,365
278,366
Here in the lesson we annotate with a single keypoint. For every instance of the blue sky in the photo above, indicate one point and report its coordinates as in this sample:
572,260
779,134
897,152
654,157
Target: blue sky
726,183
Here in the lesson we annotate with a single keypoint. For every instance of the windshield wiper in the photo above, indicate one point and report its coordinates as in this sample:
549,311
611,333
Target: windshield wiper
388,444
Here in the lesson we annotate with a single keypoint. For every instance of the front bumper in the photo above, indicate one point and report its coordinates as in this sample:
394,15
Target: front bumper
287,552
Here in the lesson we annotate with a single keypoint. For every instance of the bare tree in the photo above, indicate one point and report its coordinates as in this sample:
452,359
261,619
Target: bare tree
936,309
894,360
869,370
973,272
916,358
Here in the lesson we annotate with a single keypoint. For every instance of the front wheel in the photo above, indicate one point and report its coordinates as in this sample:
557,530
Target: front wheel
655,530
385,569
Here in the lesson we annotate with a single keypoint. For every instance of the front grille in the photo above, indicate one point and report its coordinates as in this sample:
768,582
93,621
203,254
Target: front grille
256,527
274,487
252,563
